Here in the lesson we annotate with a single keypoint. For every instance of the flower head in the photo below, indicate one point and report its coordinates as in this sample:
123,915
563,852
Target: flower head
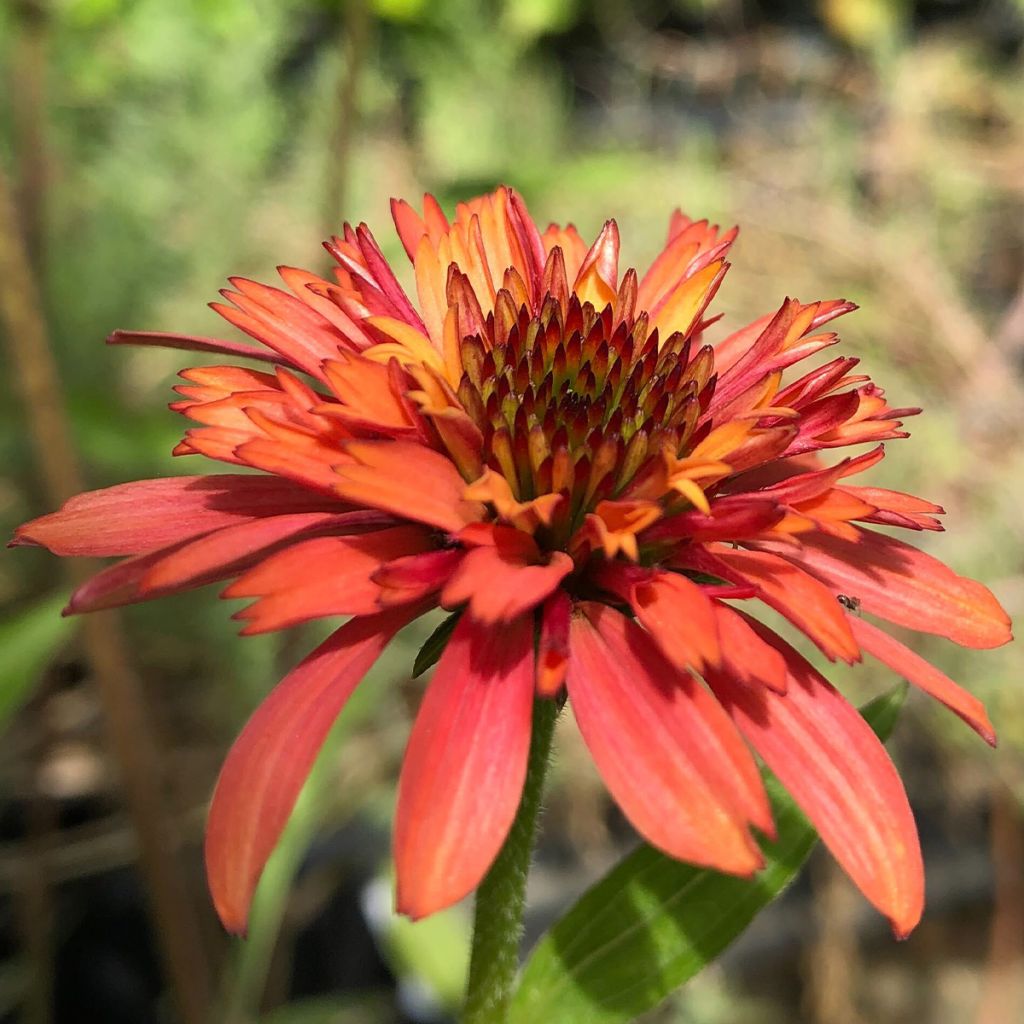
552,450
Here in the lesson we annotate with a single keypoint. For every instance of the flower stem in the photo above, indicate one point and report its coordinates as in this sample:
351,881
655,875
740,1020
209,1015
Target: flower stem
501,896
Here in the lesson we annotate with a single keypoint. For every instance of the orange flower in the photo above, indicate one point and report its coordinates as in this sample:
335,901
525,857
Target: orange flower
553,450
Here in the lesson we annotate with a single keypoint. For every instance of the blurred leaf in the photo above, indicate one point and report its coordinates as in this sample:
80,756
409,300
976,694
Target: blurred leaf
653,922
868,24
435,951
532,18
28,641
431,650
398,10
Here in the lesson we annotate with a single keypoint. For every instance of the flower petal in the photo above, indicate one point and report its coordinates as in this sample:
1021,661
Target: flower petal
196,343
323,576
840,775
903,585
414,576
553,644
409,480
465,765
206,559
672,608
900,658
132,518
798,596
662,745
745,656
500,587
269,762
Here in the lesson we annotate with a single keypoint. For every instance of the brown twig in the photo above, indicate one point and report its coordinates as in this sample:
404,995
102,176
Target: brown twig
131,739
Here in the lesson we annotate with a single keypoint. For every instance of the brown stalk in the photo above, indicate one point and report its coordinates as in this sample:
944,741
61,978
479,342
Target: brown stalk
1002,992
131,738
27,83
355,31
831,963
26,80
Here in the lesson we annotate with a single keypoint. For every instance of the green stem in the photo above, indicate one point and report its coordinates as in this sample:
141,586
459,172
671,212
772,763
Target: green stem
501,897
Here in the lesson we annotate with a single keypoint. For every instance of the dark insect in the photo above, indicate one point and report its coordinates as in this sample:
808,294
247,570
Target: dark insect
851,604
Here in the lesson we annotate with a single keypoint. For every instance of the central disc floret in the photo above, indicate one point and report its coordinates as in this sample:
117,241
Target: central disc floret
578,402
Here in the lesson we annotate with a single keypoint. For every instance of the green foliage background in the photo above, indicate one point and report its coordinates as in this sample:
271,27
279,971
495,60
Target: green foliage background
868,149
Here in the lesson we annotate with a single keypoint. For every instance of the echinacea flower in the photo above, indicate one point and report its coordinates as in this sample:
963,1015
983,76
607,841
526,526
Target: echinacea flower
551,450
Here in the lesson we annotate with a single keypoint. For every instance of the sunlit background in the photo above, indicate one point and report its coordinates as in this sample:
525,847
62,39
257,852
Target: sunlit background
871,149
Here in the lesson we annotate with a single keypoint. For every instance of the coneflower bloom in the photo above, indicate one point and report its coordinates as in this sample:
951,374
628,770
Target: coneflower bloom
550,449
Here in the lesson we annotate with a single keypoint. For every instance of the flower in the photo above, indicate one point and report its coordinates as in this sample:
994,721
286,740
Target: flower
552,451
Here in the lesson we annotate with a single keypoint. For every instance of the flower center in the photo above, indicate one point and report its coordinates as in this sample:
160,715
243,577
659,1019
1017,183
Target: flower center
579,402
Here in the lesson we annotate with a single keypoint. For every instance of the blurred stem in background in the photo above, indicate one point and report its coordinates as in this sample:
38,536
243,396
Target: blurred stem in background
353,39
28,111
133,745
1002,994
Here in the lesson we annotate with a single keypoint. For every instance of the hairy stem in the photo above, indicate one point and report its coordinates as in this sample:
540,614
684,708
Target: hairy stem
501,897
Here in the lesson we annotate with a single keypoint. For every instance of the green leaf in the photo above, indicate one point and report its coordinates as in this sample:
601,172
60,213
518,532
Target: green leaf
434,645
652,923
28,640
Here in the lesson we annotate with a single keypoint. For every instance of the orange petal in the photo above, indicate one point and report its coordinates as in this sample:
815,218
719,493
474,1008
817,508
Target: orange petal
745,656
888,650
663,746
269,762
129,519
409,480
321,577
903,585
465,765
598,277
672,608
500,586
800,597
828,758
553,645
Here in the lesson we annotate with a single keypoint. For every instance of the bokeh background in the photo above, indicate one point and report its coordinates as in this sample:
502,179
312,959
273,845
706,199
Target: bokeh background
872,149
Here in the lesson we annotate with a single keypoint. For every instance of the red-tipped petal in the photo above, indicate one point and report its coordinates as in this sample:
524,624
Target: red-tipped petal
269,762
668,755
888,650
903,585
730,519
553,645
132,518
837,770
599,276
465,765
